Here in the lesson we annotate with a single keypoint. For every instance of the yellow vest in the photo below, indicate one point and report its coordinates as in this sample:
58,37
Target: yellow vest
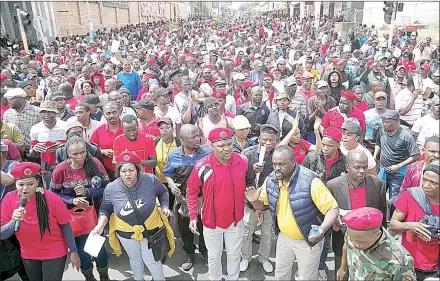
154,221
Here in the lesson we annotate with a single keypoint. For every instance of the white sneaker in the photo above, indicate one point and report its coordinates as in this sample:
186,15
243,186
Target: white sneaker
267,266
244,264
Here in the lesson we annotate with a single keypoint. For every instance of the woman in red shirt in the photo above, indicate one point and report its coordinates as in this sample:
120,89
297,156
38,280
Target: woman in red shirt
45,233
302,147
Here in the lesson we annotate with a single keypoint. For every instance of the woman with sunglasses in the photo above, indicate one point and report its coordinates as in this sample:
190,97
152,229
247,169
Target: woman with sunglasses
44,229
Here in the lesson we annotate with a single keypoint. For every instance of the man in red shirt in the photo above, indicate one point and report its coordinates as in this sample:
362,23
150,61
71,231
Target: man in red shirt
140,144
105,134
420,239
413,176
222,177
358,103
147,118
336,116
407,63
306,85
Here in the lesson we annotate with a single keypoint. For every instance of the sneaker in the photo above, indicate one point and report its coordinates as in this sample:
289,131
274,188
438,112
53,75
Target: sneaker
267,266
244,264
255,238
204,257
188,262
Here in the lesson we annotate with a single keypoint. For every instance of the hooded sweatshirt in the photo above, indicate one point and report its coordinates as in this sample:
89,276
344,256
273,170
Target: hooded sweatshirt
335,92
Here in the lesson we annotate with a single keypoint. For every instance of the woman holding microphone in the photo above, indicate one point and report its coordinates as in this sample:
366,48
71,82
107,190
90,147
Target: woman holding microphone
40,221
130,204
74,180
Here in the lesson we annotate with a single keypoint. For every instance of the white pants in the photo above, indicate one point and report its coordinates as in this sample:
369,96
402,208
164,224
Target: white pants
289,250
250,224
214,243
138,254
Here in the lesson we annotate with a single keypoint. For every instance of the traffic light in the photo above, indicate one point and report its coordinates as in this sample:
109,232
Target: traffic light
388,11
400,7
25,19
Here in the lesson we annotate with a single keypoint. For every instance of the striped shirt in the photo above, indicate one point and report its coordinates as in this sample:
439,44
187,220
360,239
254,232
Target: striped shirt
24,120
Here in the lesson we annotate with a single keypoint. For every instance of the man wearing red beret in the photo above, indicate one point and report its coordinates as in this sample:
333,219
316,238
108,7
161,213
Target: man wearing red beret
370,252
336,116
222,177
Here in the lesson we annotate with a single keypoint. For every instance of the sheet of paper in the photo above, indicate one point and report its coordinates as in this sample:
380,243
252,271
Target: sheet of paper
94,244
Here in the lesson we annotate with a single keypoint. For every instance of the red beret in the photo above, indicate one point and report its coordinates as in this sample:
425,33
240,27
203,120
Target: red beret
128,157
219,95
337,61
248,84
151,62
25,170
348,95
332,133
219,134
3,77
365,218
267,75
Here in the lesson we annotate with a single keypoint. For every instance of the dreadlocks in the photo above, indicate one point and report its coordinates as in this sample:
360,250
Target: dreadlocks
42,213
90,166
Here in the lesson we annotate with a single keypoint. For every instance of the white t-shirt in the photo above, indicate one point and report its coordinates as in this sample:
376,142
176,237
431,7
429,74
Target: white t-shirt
371,160
426,127
415,112
172,113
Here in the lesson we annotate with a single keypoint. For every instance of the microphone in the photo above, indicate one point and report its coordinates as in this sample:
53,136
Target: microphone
22,204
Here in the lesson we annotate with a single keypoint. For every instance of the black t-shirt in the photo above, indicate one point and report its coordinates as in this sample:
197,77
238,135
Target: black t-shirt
395,149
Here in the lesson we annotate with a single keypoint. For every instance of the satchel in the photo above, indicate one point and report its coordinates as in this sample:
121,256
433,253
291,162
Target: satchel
157,241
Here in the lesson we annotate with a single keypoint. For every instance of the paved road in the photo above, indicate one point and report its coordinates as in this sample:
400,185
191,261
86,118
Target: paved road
120,267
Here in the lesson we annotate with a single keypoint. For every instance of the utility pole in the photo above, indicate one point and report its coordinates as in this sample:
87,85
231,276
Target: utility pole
393,19
20,23
89,17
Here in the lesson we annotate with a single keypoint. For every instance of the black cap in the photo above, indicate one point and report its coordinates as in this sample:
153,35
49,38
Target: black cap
93,99
160,92
147,104
391,114
175,72
268,126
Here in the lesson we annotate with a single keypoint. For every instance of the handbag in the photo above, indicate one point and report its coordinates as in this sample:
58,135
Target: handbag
157,241
83,220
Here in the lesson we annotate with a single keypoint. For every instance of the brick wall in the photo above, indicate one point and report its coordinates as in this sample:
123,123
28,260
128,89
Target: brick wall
76,20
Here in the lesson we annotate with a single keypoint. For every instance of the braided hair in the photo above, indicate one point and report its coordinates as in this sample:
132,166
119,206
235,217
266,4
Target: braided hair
90,166
42,213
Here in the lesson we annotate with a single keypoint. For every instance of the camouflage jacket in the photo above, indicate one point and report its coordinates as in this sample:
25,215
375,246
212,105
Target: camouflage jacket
385,260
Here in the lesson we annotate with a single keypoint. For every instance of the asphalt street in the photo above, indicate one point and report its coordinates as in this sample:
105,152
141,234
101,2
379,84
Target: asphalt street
120,267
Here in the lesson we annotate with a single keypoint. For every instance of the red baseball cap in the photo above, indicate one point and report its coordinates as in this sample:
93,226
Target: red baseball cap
426,67
268,75
365,218
248,84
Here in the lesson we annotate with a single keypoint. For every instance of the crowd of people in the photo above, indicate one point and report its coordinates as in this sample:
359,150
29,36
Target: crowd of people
218,128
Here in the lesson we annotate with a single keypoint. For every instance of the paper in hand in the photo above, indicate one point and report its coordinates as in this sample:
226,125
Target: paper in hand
94,244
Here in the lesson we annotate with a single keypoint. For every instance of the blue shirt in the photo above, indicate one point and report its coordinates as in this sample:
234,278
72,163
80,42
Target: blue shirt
132,82
177,158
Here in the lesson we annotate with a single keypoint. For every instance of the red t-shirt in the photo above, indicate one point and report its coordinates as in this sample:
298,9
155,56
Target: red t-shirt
53,245
143,147
151,129
329,163
425,253
3,109
333,118
358,197
103,137
362,106
301,150
229,114
306,94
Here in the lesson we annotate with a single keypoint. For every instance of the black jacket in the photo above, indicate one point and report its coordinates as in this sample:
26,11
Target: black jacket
316,162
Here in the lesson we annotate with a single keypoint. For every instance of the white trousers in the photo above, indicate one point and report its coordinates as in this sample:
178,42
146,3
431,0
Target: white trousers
233,236
289,250
139,254
250,224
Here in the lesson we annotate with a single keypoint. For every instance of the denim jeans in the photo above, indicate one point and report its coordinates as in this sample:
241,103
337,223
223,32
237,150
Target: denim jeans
86,259
325,248
394,182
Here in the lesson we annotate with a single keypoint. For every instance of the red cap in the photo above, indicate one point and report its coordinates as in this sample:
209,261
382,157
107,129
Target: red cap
275,69
128,157
348,95
219,134
22,52
148,76
267,75
332,133
426,67
3,77
399,66
365,218
151,62
245,71
219,95
25,170
306,75
248,84
337,61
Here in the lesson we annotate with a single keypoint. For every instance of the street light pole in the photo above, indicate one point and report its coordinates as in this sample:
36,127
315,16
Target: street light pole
20,23
89,21
393,19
